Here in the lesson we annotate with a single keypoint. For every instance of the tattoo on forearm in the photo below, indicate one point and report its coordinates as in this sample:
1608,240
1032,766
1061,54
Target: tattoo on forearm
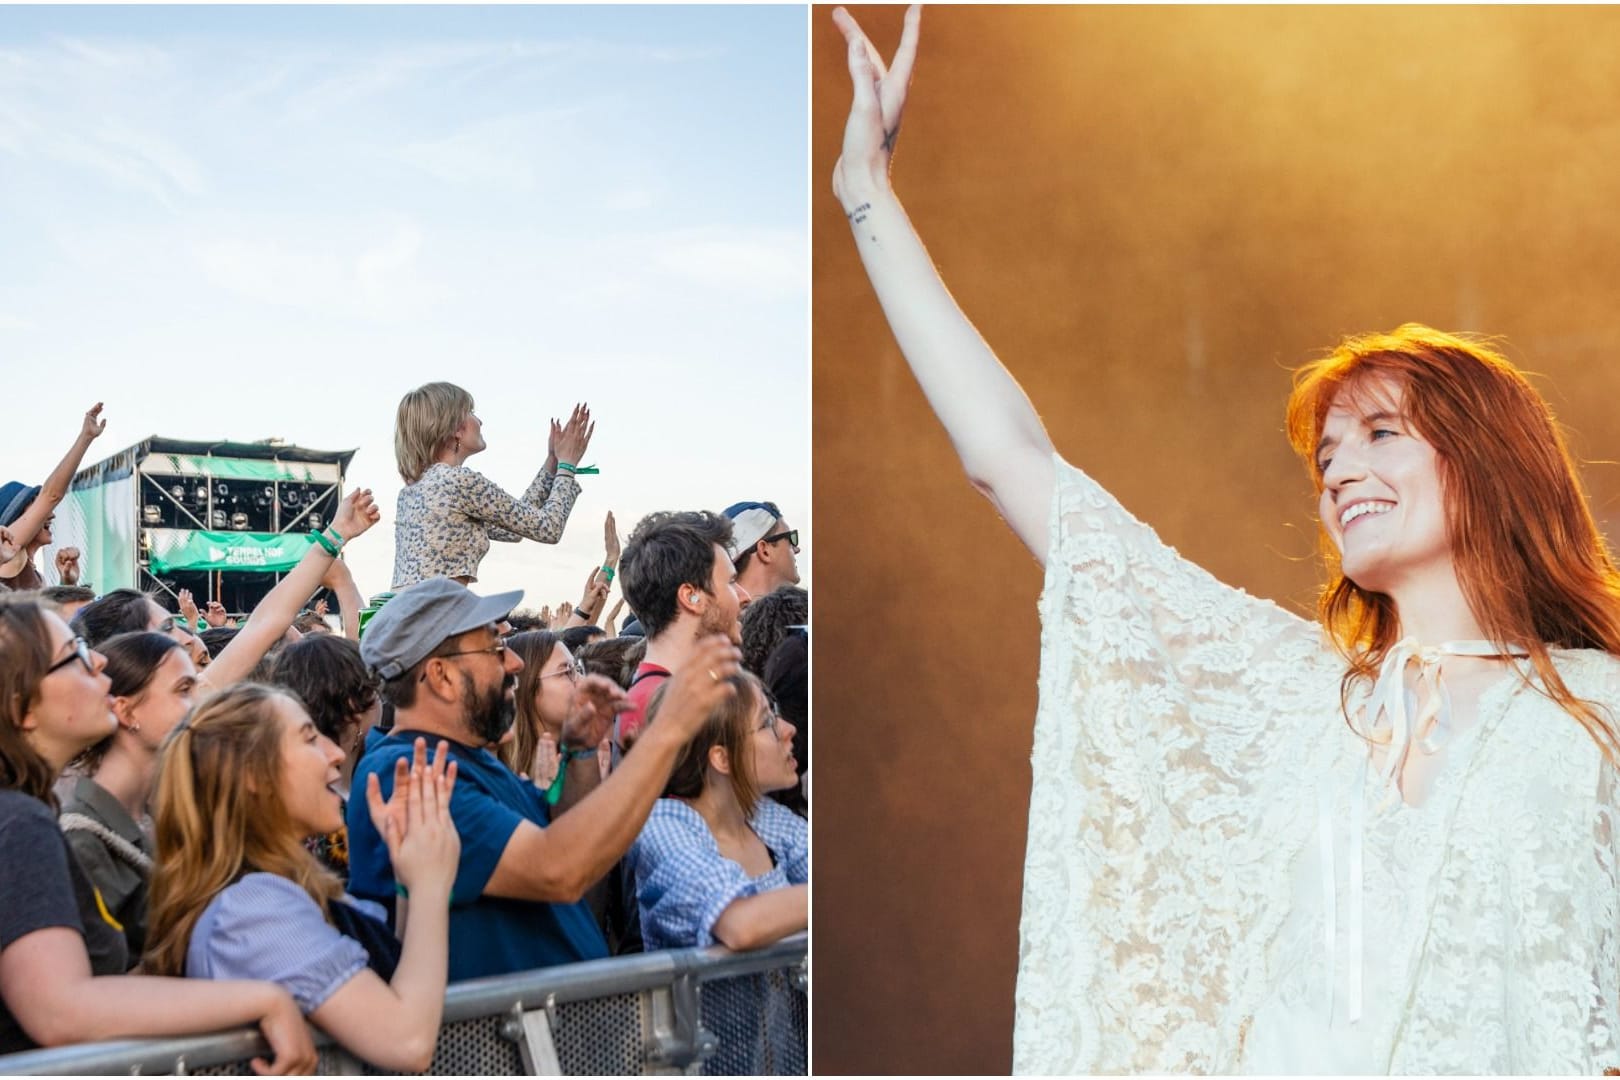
888,139
858,215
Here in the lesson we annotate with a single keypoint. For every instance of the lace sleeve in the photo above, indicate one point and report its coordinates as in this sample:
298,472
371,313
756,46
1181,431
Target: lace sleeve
1179,721
540,515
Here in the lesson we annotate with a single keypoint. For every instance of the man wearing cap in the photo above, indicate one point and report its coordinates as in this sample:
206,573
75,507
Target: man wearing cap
677,576
763,547
515,902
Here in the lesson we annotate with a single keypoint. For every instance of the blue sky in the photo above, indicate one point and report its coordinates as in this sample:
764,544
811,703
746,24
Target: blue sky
256,222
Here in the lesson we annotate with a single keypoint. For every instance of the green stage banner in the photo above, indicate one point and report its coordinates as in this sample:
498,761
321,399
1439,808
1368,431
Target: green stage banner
186,549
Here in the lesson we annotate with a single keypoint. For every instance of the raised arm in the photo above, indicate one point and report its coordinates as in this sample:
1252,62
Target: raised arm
55,488
558,863
341,581
1001,441
542,512
276,612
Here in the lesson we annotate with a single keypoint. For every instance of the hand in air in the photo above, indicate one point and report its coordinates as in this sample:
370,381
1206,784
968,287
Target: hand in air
610,540
415,822
356,514
570,443
93,425
874,116
188,609
67,565
215,615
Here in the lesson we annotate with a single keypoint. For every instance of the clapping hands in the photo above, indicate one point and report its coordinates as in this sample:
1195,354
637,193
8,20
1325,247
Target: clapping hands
415,822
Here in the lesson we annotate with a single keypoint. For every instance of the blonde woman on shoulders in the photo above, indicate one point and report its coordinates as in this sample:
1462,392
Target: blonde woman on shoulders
448,513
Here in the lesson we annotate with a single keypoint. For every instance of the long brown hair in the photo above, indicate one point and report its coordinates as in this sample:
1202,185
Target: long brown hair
534,648
1528,556
25,643
730,725
219,816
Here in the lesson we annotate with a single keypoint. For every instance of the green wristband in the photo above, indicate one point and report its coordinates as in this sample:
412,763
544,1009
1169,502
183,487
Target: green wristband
320,538
608,572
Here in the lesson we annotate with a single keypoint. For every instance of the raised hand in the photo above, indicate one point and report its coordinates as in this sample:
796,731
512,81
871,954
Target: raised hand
547,760
67,565
701,684
545,616
321,609
874,117
610,541
597,699
570,443
93,425
188,610
415,823
596,592
356,513
215,615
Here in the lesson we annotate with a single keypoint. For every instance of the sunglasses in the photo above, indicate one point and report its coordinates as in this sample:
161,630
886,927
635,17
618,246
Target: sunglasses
791,536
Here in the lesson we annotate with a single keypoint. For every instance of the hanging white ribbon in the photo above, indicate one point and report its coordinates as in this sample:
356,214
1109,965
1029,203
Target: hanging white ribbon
1386,724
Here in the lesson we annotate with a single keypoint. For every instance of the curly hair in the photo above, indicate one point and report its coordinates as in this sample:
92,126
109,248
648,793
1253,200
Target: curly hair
766,622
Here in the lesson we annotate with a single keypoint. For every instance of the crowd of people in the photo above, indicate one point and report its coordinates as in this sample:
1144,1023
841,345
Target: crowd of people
331,814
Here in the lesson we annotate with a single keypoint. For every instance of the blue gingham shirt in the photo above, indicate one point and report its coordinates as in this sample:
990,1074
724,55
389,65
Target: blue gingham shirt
683,883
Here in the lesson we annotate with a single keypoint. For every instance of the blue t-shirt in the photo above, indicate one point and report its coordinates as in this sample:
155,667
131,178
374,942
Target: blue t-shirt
488,935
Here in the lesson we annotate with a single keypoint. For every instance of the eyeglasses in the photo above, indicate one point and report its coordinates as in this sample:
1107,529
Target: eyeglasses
791,536
773,724
574,671
499,649
81,653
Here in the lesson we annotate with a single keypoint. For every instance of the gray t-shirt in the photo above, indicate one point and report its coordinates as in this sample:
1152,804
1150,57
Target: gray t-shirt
42,886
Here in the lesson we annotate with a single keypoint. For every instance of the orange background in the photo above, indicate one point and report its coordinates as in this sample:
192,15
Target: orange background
1151,214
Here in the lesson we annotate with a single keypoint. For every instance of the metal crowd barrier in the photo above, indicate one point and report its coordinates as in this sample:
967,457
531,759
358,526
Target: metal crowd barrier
703,1012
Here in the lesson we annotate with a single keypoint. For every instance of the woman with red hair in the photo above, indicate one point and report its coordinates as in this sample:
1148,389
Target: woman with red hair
1385,843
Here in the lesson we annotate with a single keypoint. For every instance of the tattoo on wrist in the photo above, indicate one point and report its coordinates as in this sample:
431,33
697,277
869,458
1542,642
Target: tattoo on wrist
858,215
888,139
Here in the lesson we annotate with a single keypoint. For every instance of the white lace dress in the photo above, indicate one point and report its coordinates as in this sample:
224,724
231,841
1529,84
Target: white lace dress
1176,910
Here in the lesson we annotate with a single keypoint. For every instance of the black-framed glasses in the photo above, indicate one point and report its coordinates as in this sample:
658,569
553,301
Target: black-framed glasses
574,671
790,535
81,653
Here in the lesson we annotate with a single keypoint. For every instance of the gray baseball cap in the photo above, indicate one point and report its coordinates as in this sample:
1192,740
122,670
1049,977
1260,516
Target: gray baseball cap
421,618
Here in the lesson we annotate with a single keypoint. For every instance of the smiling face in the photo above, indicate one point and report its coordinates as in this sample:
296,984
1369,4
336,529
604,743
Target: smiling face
1382,503
309,771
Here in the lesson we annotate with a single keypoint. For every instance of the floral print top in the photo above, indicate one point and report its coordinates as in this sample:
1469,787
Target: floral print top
444,522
